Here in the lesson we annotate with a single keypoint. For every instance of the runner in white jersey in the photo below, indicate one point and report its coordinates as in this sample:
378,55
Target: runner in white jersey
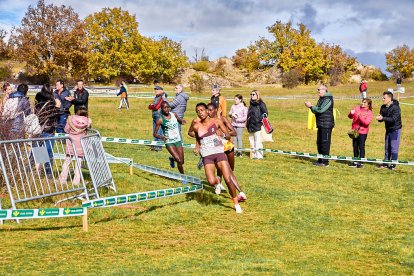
212,150
168,122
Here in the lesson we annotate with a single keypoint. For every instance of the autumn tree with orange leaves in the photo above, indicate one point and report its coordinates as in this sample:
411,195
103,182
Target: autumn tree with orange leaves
50,40
400,61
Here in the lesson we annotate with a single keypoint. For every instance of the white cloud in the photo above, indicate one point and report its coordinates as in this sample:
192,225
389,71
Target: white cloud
221,27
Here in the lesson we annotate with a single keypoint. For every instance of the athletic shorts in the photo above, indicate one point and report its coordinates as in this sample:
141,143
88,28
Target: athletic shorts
175,144
214,158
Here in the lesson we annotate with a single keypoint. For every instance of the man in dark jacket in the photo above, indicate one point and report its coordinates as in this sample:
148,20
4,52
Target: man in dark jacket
390,113
63,95
324,122
80,96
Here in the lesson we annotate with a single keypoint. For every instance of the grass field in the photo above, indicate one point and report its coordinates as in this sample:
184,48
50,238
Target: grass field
299,219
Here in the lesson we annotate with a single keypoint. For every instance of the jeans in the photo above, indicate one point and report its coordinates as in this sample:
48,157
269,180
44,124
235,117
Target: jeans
154,123
363,95
49,146
392,144
62,123
323,142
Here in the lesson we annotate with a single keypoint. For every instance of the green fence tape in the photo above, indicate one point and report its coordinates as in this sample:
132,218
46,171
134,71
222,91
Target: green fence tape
141,196
41,213
292,153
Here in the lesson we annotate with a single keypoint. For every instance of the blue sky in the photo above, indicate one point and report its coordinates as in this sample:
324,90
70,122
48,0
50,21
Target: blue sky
366,29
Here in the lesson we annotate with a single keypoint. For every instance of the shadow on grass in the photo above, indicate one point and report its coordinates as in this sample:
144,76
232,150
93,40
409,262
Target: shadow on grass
37,229
207,197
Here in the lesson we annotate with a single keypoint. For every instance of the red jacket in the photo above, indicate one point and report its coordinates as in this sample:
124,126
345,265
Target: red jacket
361,119
363,87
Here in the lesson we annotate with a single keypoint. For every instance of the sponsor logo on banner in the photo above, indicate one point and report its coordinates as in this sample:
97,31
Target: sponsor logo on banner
132,198
121,199
73,211
98,203
23,213
48,212
110,201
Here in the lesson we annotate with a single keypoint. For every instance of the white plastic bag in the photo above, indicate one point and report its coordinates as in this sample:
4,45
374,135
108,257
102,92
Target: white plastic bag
32,125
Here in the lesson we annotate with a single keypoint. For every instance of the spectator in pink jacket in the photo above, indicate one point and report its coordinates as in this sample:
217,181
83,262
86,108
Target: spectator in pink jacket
238,115
361,116
76,127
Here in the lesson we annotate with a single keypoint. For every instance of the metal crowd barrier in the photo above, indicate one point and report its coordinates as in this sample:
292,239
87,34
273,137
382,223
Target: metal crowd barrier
30,172
97,162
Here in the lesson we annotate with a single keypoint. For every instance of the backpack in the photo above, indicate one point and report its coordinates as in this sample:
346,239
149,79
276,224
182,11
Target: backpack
10,108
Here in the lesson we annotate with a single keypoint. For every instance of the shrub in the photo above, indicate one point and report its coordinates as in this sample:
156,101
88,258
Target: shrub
202,65
219,67
197,83
377,75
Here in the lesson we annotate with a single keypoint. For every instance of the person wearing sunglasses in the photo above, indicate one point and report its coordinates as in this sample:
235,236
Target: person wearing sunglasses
325,122
390,114
254,123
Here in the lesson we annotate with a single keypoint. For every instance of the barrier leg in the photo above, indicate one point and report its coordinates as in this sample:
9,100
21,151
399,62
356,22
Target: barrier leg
131,167
85,221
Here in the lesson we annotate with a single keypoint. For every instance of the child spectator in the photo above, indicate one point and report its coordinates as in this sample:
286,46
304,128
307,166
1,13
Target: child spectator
238,114
76,127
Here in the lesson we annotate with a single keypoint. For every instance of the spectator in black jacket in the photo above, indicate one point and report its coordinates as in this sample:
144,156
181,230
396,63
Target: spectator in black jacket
80,96
254,123
390,113
323,111
64,96
47,109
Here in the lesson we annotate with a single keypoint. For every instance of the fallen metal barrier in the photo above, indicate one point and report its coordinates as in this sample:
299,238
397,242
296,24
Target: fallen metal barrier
30,173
